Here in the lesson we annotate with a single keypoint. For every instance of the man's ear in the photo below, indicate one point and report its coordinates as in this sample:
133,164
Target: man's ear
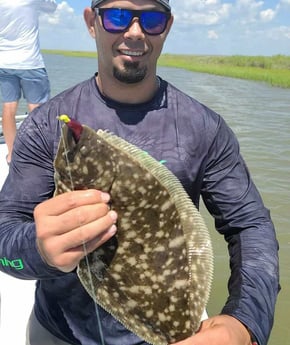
90,18
169,25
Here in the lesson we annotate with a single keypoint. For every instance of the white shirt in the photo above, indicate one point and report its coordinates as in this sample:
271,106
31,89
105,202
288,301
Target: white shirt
19,32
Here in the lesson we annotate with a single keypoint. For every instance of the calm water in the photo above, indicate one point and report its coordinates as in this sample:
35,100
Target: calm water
260,116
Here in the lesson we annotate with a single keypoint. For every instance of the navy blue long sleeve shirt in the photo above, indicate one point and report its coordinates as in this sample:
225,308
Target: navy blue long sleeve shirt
198,147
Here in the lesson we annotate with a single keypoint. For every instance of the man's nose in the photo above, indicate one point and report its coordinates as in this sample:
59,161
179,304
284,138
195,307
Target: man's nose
135,31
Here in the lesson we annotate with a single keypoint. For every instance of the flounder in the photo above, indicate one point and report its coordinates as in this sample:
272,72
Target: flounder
155,274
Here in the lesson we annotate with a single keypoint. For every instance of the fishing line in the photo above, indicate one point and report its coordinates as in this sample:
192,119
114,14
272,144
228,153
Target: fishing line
84,244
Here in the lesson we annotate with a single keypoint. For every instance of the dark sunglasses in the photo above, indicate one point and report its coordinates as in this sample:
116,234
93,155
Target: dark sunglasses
117,20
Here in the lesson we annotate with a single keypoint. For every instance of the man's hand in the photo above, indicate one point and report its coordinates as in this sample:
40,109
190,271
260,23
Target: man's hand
67,221
220,330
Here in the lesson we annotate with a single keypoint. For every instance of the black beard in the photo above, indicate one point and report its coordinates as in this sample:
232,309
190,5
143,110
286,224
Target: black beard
131,74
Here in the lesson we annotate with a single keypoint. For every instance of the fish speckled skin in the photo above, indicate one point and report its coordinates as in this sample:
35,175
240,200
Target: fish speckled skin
154,276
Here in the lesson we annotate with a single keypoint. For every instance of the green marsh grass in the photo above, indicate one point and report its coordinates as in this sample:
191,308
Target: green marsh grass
274,70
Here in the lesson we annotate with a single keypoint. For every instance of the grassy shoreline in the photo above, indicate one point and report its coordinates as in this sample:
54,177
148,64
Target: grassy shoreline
273,70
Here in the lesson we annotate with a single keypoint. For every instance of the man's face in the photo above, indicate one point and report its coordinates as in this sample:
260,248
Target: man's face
129,56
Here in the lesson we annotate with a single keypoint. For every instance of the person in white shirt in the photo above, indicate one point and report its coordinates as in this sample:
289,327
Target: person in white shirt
22,69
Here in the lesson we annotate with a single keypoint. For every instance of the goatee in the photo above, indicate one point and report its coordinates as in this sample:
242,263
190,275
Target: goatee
131,73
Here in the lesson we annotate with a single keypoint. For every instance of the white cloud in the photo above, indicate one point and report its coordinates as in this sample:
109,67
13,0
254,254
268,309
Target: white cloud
65,29
267,15
64,17
247,11
218,12
201,12
278,33
212,35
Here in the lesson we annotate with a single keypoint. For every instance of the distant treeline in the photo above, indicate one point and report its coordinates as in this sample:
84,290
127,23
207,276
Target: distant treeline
274,70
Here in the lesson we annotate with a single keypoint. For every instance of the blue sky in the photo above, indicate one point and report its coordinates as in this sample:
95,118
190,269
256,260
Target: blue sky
222,27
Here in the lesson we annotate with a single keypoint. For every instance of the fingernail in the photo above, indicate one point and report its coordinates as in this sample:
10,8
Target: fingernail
105,197
113,215
112,230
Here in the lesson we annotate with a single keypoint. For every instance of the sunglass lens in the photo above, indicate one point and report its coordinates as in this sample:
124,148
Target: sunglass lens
154,23
116,20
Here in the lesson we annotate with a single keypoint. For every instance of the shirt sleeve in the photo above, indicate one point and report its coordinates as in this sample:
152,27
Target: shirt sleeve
33,163
240,215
